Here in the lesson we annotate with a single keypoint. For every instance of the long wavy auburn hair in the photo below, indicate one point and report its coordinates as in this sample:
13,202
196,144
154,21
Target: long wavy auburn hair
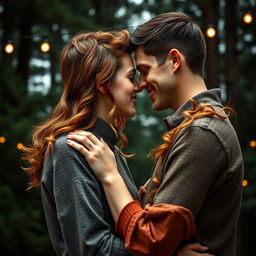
197,111
88,59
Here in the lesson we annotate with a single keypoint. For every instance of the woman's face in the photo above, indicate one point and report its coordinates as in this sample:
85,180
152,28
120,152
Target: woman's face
123,88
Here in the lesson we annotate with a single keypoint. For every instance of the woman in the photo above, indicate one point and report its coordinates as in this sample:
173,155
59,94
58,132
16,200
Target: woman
99,92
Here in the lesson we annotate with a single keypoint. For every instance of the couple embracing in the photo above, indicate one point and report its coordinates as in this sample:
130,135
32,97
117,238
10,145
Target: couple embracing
190,204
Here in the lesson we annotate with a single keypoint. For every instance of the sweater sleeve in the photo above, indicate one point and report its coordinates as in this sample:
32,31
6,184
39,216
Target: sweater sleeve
79,204
154,230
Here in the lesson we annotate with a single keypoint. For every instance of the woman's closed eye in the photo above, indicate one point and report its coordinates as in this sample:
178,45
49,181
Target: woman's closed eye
132,78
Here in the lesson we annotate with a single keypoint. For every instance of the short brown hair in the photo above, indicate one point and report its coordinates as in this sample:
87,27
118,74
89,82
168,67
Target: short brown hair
172,30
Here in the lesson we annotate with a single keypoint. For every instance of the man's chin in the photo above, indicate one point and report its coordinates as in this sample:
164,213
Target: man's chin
156,107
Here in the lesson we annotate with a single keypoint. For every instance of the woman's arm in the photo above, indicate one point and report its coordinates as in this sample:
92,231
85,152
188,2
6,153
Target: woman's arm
115,189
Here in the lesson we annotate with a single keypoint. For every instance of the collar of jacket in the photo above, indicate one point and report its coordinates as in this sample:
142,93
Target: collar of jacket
212,97
101,129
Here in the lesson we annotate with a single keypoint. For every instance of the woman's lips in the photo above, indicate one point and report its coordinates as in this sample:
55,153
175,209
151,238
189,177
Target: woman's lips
133,100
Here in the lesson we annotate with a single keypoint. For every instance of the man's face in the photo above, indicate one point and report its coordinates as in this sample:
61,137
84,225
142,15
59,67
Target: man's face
159,81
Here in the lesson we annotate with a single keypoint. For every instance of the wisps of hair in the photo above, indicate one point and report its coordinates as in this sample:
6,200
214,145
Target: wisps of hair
202,110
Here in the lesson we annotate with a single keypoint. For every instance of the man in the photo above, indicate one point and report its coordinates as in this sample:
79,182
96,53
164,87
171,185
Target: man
203,167
199,168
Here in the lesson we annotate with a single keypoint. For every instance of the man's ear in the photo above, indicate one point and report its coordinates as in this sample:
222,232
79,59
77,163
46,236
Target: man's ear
101,88
175,57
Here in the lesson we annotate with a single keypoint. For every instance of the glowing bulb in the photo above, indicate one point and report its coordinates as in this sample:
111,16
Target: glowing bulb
244,183
248,18
253,144
45,47
19,146
9,48
2,139
211,32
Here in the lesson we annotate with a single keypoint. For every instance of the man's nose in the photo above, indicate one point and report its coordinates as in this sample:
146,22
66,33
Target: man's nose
141,85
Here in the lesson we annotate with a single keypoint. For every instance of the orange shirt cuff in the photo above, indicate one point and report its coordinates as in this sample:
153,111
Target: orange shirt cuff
125,216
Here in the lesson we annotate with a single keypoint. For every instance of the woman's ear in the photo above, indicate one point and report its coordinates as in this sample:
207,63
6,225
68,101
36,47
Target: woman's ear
175,58
101,88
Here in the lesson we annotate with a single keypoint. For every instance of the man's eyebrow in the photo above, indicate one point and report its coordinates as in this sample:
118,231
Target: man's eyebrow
142,66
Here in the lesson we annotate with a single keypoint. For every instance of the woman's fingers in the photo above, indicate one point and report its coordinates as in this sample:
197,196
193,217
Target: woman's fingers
197,247
88,135
83,150
97,153
82,139
194,249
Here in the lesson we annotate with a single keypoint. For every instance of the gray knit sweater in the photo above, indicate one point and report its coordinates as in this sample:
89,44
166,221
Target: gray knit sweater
76,210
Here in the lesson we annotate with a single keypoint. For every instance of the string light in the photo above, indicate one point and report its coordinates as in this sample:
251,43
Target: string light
245,183
253,144
2,139
248,18
19,146
211,32
9,48
45,47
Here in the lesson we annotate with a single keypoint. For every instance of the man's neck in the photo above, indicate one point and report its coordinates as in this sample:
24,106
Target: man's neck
189,87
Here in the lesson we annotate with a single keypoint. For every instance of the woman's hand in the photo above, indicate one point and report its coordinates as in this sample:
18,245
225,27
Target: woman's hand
103,163
194,249
96,152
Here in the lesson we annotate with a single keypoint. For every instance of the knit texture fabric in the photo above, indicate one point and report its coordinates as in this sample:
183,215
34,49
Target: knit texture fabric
76,210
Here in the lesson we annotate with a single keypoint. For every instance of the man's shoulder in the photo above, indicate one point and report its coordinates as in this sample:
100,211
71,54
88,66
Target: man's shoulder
214,124
216,129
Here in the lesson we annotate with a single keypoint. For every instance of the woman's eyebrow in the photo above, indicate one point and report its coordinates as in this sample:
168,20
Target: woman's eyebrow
133,71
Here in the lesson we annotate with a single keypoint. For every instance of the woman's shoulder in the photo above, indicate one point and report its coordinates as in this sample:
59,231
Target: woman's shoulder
61,141
61,147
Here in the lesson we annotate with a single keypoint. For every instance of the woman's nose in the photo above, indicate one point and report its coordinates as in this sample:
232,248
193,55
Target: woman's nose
138,87
142,85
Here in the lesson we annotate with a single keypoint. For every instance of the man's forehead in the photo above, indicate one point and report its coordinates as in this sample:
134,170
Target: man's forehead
140,51
143,59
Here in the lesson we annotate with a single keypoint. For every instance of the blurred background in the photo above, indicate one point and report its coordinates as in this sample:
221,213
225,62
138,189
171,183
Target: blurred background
32,34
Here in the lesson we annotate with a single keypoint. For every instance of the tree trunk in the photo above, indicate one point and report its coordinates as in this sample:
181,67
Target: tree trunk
25,42
7,27
210,15
232,65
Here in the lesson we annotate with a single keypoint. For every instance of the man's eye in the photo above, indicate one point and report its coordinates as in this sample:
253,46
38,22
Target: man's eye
144,72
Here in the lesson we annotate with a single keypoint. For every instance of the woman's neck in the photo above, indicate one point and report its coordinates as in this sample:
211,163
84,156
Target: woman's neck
103,107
